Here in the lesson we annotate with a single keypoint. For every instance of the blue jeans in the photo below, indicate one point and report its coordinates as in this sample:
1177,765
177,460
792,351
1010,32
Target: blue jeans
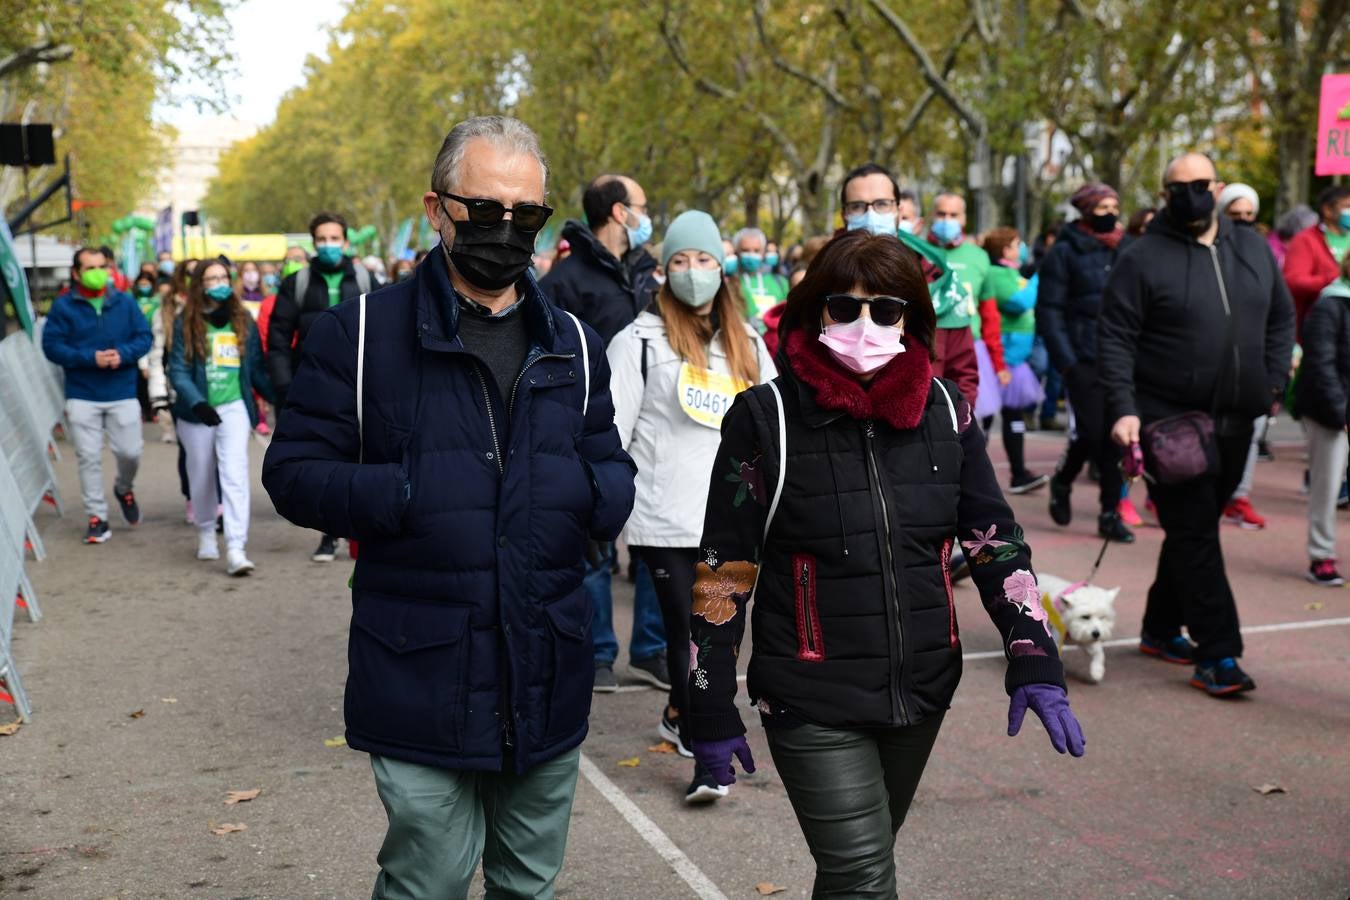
649,635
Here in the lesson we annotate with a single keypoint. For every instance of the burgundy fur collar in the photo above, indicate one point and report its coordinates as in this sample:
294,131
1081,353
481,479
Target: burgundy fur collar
898,395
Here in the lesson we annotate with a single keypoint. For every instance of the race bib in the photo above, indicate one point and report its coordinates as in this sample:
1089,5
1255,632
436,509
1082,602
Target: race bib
763,303
706,396
225,350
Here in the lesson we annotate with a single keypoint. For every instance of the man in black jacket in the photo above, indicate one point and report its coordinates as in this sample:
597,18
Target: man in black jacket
605,282
1195,318
303,296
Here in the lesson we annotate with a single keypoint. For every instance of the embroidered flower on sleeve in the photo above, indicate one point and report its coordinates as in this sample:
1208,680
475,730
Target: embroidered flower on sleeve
983,539
1021,590
1025,647
718,592
750,478
985,548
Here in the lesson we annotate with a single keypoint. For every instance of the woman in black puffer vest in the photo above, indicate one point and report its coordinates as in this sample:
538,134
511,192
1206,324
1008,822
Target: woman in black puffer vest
856,650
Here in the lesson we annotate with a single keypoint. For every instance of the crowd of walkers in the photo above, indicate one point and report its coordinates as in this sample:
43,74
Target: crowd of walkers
792,441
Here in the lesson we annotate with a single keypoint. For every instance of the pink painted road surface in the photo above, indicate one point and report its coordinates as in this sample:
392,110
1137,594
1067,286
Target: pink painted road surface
99,804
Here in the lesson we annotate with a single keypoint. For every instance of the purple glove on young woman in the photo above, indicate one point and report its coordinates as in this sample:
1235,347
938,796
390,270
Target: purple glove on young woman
715,756
1051,704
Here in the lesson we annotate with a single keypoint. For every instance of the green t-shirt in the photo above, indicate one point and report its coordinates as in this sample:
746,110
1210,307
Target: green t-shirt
222,366
958,305
1003,283
334,280
1338,243
762,292
97,303
149,306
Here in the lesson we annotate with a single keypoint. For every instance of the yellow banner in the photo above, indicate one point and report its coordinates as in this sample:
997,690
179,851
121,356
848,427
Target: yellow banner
236,246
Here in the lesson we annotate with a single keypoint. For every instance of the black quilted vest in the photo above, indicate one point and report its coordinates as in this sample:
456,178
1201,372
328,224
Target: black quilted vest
853,617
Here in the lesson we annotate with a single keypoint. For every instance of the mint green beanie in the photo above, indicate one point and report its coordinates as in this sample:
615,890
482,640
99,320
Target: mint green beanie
692,230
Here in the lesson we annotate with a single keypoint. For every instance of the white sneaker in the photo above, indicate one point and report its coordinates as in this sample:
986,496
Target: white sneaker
239,564
206,546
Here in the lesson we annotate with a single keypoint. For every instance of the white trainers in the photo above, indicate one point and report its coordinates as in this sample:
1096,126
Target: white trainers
239,564
206,545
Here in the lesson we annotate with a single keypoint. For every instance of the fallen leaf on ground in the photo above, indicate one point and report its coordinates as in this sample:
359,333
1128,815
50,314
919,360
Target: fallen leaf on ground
1269,788
338,741
227,827
233,797
11,727
765,888
1316,604
138,714
663,747
630,763
168,699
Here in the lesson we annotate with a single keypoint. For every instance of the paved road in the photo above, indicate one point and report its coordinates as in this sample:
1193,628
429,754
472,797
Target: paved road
240,684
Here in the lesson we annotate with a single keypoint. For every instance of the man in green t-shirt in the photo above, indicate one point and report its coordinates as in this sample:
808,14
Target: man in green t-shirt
968,302
761,289
331,278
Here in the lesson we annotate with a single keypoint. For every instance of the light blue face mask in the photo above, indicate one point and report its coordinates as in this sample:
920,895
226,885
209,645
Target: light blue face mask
873,221
1344,219
166,266
946,230
731,265
750,263
642,233
329,254
270,281
771,260
219,292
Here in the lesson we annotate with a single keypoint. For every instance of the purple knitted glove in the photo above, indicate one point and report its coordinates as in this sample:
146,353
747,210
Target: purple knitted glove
1051,705
715,756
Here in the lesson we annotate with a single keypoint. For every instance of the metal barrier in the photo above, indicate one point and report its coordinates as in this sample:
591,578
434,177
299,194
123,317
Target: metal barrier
25,446
17,533
23,361
11,575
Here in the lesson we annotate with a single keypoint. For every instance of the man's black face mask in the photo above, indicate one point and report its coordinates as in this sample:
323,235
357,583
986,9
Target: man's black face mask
490,258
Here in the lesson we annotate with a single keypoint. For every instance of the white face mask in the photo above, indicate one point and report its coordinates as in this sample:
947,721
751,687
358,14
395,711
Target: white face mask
695,287
908,225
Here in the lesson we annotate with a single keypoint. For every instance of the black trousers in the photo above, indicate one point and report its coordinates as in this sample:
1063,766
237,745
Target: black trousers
1092,436
1191,587
672,571
851,790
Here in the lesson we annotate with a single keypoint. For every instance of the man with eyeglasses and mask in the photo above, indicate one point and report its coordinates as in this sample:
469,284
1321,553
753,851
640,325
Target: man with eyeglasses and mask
1195,320
459,425
607,278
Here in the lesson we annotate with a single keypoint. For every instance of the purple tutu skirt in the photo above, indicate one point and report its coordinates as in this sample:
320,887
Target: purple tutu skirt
1024,389
989,399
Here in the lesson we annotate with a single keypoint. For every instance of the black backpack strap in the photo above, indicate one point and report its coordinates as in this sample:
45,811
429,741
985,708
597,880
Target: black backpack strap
644,361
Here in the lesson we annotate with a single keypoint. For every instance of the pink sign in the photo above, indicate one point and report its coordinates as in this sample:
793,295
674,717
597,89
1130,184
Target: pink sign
1333,126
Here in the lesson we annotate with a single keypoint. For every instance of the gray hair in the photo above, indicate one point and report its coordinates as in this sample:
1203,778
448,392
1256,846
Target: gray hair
510,135
1297,219
748,233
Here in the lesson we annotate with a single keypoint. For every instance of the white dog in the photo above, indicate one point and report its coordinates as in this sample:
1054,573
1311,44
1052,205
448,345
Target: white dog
1082,614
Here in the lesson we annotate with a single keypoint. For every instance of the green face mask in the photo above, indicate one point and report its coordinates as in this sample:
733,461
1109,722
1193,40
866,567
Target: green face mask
94,280
290,267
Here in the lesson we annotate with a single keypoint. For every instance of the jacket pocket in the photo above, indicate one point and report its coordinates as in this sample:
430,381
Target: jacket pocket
408,667
954,633
573,675
810,644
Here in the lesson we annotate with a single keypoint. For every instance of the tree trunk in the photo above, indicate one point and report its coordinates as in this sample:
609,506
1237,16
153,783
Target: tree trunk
1293,151
752,195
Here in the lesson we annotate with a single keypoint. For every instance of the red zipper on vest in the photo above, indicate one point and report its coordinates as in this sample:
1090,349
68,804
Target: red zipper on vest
953,631
810,644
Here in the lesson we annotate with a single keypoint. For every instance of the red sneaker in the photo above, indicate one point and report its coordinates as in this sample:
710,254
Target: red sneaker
1128,514
1239,512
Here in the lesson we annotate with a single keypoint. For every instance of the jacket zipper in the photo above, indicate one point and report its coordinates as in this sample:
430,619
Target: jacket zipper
892,588
1228,314
807,632
492,420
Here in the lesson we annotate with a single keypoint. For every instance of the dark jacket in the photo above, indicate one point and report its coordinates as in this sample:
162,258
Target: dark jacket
1324,375
470,626
74,331
1162,329
189,378
854,620
292,318
1073,275
600,290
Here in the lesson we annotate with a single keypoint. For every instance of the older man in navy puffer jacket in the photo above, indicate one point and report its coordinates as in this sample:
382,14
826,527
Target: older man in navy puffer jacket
459,425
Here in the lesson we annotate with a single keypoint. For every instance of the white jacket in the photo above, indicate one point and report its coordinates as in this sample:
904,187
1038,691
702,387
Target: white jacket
674,453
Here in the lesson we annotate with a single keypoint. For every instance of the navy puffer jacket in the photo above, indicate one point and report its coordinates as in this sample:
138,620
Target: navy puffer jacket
1073,276
470,629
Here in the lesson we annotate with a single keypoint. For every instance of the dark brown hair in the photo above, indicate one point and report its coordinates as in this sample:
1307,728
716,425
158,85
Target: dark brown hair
194,314
877,262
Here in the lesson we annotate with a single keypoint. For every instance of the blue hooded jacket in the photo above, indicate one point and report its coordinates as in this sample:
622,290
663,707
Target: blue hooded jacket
470,628
74,331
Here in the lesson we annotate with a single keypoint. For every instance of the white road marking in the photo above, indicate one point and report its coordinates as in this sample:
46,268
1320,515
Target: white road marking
700,884
1131,642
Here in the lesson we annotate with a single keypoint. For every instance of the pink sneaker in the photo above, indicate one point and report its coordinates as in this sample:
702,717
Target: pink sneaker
1128,514
262,429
